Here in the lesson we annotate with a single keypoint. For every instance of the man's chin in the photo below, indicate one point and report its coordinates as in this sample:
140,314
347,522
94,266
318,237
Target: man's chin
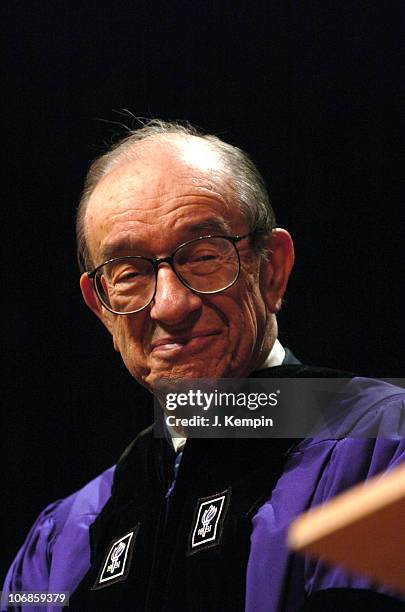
183,371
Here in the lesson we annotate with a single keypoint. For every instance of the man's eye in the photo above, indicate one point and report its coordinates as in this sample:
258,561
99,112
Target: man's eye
203,257
125,278
128,276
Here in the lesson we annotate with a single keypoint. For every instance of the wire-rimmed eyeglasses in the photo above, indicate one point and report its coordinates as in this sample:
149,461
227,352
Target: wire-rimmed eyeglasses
205,265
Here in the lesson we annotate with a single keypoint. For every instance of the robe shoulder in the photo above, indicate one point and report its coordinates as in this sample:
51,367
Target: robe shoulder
55,554
316,471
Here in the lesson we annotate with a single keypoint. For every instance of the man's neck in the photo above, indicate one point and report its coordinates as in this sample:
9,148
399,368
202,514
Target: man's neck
274,358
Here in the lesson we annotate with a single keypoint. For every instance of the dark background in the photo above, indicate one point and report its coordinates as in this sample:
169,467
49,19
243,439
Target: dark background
310,89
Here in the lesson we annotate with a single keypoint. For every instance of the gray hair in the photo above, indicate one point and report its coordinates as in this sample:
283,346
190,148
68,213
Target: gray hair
247,183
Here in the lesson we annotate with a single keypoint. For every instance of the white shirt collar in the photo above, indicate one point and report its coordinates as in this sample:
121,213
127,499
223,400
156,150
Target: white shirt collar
275,357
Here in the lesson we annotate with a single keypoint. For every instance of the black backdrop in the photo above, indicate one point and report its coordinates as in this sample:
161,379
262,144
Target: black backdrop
310,89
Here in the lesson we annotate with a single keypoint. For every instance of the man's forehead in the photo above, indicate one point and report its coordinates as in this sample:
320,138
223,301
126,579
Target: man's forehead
157,178
160,164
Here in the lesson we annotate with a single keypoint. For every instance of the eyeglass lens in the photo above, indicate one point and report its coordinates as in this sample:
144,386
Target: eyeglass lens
207,266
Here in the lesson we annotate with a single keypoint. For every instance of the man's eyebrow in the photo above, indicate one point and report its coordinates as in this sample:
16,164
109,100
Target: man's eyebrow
113,250
195,230
210,226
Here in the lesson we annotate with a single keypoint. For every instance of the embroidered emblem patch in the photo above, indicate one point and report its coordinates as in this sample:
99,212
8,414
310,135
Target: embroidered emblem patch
116,563
208,521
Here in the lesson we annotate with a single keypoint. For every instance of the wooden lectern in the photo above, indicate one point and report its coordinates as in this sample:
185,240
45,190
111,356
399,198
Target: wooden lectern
362,530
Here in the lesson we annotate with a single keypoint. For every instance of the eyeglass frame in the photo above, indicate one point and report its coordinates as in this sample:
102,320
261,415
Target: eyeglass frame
169,260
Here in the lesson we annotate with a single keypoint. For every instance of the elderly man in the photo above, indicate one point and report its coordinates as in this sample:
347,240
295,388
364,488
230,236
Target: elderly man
184,266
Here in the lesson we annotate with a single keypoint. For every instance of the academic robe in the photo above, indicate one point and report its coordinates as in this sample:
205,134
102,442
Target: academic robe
216,538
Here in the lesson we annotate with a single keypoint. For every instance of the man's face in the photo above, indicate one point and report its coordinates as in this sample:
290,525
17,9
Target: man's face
148,206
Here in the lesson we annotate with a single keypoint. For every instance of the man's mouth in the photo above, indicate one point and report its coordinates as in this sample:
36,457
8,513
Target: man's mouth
174,344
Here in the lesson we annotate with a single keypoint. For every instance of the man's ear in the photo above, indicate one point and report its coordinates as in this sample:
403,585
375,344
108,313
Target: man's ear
93,303
276,270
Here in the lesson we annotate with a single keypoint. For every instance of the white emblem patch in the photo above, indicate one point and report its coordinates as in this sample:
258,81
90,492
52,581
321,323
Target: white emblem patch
116,564
208,519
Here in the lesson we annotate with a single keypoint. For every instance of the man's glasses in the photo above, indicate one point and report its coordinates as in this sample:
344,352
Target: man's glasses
206,265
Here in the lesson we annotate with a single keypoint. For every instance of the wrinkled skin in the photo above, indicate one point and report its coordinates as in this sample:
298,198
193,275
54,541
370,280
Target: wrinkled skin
170,191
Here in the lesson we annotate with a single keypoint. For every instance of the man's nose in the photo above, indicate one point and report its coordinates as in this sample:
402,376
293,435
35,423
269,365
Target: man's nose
173,301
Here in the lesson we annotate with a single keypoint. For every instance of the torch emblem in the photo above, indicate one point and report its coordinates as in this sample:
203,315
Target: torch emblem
206,520
115,555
